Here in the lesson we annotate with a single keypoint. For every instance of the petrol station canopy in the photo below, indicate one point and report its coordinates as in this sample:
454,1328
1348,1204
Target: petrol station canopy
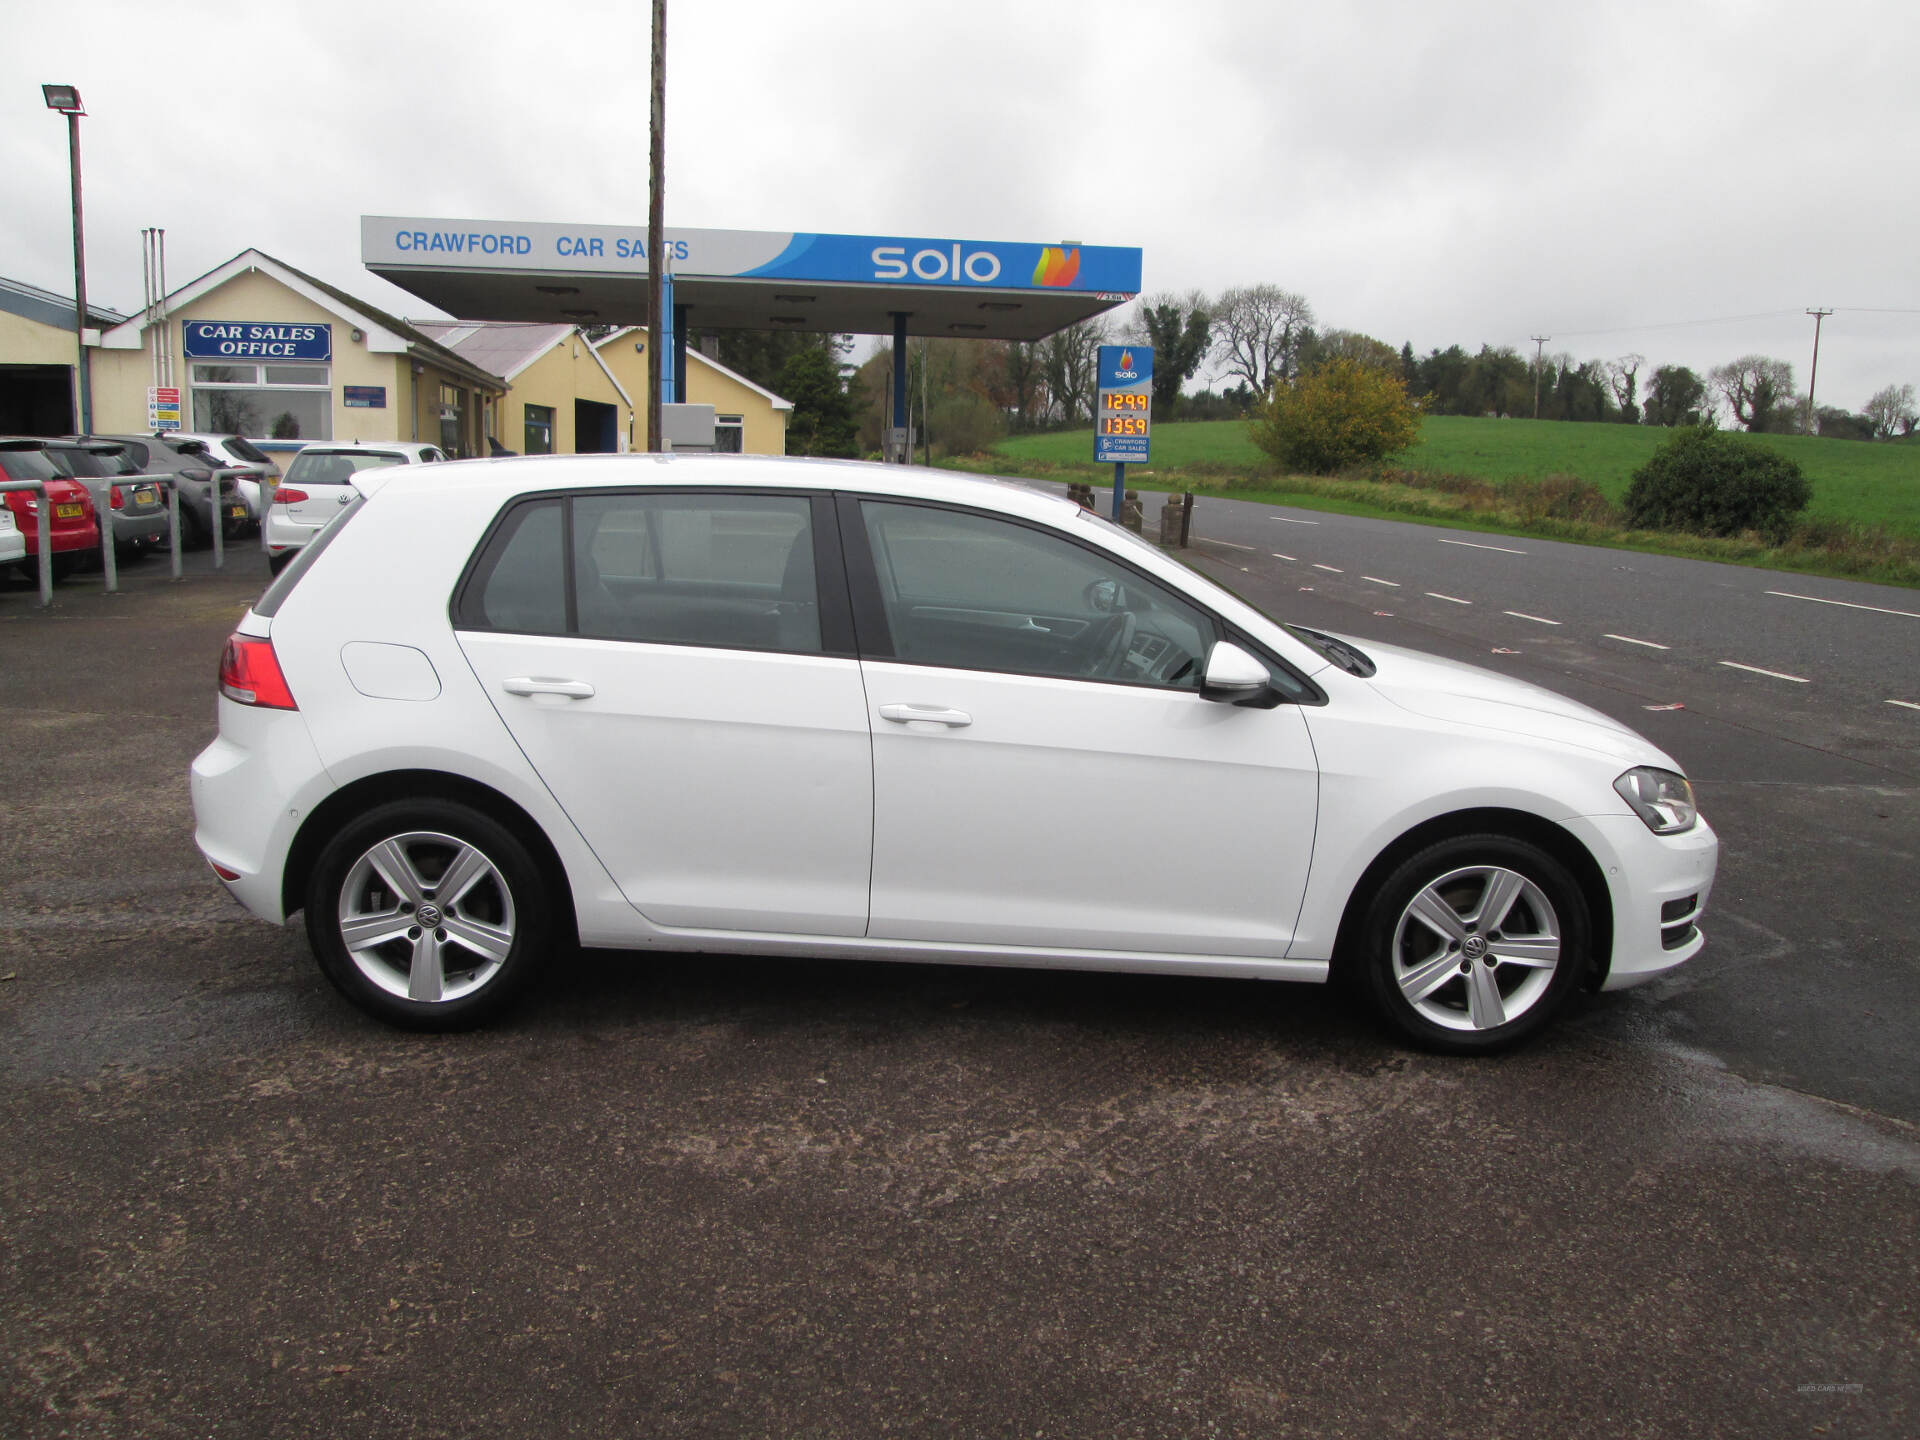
750,279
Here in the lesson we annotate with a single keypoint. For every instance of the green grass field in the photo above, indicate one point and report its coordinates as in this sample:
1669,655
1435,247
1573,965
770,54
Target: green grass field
1852,480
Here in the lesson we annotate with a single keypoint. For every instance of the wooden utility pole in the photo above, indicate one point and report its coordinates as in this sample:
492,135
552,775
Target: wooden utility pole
1818,316
1538,341
656,226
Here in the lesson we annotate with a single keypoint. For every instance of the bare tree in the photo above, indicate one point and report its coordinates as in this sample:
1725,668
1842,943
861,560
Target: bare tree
1070,359
1624,376
1755,388
1259,332
1891,411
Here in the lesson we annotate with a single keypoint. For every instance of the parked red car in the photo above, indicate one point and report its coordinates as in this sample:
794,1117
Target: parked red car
74,531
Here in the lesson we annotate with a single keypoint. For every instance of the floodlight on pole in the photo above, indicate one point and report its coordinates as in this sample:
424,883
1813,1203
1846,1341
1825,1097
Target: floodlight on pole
66,99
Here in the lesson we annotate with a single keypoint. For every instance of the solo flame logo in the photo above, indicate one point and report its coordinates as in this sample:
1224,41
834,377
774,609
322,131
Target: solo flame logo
1126,370
1057,266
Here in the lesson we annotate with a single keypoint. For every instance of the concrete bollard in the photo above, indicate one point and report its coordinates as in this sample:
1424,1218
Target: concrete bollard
1133,514
1171,516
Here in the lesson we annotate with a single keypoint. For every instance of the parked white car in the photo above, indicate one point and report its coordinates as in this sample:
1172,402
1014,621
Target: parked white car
319,480
822,708
13,544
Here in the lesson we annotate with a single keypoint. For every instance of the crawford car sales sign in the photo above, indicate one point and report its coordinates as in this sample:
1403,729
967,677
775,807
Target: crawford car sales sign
250,340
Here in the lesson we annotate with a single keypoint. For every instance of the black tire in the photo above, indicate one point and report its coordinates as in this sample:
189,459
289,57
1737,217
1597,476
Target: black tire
277,563
194,534
1430,981
507,899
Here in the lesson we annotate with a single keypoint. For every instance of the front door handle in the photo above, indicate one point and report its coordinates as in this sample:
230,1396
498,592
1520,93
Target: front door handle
542,685
933,714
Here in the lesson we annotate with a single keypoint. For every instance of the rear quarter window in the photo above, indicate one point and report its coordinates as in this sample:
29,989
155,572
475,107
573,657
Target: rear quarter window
519,580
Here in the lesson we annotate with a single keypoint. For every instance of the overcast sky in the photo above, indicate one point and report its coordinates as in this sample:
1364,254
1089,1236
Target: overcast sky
1615,176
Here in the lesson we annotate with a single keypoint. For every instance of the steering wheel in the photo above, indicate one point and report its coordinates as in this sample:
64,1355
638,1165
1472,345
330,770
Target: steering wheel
1110,644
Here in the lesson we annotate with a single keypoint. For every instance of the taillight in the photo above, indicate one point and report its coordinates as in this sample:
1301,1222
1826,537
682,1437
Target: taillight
250,674
119,500
284,496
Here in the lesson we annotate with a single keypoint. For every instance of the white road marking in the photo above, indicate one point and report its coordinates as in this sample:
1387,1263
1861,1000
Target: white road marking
1334,568
1228,543
1676,705
1904,704
1278,556
1504,550
1522,615
1818,600
1756,670
1378,581
1289,520
1650,644
1451,599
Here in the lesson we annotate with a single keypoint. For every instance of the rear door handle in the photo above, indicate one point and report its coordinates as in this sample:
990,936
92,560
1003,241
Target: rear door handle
542,685
933,714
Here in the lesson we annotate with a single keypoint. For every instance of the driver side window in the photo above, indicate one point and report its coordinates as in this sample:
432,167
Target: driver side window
972,592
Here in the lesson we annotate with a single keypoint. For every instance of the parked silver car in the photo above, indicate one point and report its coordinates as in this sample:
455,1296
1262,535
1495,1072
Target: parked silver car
236,452
139,510
194,463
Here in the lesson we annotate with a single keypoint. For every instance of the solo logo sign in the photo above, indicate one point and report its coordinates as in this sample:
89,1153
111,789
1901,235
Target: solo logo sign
890,262
955,265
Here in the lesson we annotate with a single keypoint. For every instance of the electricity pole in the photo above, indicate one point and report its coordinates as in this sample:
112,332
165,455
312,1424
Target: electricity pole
1818,316
1538,341
656,228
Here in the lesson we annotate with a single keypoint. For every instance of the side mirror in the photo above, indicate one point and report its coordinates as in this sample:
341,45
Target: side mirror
1234,677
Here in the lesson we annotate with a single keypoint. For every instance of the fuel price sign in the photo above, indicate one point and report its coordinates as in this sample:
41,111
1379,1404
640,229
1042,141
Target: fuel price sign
1123,405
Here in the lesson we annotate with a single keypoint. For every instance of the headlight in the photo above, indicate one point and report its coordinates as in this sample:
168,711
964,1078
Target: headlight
1660,797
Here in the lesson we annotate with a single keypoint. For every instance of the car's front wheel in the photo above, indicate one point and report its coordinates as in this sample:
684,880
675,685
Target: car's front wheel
428,914
1475,943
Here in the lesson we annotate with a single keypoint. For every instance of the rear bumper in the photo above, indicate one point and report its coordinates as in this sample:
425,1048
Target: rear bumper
251,789
1650,876
284,533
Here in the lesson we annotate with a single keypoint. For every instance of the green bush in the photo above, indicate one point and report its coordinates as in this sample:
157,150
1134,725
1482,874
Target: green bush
1707,482
1338,414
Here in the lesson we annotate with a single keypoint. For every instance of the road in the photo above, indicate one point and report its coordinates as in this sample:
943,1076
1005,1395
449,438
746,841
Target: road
705,1195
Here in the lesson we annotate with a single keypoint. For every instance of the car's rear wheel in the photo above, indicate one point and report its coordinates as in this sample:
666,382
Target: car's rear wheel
1475,944
428,914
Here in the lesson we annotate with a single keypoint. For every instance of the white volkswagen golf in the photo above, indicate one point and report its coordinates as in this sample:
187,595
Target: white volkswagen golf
820,708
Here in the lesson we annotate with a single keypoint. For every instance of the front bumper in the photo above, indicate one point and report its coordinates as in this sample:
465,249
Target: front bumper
1649,877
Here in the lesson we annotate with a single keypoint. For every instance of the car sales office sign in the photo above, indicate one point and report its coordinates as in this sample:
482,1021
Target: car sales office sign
251,340
1123,405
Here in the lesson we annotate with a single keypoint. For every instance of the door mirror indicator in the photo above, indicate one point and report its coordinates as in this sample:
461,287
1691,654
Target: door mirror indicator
1236,678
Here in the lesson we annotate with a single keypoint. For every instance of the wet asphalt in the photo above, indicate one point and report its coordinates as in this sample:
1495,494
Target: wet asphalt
716,1196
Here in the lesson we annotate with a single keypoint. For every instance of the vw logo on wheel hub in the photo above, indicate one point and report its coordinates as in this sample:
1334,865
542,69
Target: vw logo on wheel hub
428,915
1474,947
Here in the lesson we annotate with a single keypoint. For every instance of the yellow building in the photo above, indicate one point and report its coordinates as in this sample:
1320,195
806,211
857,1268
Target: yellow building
38,353
747,419
263,350
560,400
568,393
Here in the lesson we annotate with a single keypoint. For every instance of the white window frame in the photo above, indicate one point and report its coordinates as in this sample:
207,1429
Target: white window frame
260,385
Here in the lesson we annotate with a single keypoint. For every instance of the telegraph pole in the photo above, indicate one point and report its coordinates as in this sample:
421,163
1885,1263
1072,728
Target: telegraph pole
656,229
1538,341
1818,316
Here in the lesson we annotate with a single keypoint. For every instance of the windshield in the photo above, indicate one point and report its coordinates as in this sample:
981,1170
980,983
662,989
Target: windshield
28,465
337,467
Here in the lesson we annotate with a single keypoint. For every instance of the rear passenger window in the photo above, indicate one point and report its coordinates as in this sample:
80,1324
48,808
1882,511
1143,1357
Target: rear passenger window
731,571
520,583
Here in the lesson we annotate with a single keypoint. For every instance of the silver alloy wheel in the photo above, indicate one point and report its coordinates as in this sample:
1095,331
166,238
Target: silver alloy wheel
1476,948
426,916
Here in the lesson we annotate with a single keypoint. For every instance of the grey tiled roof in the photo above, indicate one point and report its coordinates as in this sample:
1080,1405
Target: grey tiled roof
30,302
